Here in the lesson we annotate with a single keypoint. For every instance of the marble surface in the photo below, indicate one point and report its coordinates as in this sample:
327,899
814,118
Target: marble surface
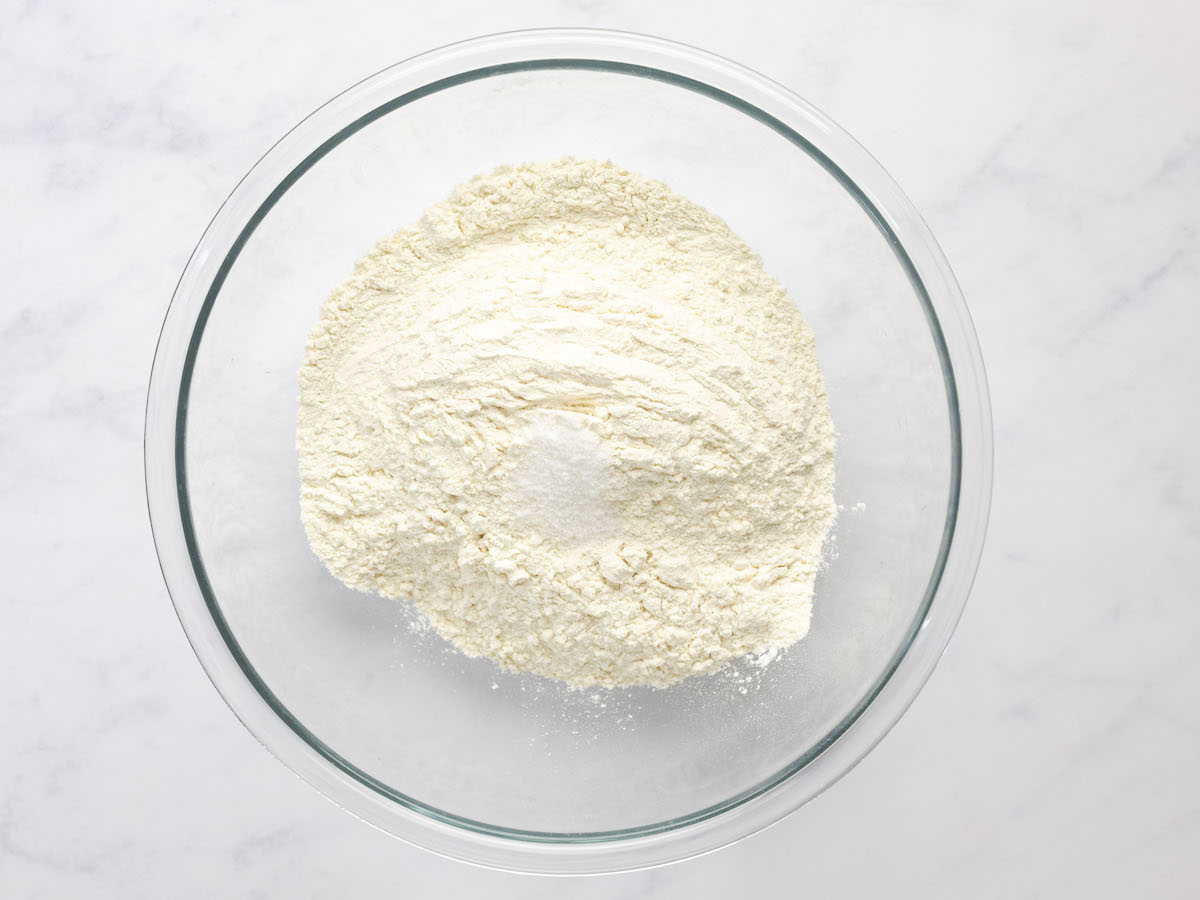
1055,153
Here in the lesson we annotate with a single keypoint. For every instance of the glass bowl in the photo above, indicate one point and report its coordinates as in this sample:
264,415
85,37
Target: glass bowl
453,754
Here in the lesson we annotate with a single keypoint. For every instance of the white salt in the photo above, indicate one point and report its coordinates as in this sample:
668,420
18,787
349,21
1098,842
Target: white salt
560,482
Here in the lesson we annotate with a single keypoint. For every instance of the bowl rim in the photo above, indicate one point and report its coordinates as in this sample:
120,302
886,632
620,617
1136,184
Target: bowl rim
283,735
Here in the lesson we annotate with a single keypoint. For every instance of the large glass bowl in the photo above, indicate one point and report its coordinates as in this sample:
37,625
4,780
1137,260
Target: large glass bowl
451,753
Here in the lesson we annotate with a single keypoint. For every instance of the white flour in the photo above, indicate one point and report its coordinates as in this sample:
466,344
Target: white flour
572,419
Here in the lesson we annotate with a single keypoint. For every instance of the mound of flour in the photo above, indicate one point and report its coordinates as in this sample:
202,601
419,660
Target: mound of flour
569,416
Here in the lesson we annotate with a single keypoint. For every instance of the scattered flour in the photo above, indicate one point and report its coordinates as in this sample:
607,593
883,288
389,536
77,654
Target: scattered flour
569,416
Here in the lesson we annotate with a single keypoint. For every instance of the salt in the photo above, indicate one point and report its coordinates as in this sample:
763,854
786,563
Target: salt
560,483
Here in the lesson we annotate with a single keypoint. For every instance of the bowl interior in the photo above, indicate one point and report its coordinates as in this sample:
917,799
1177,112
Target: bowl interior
457,738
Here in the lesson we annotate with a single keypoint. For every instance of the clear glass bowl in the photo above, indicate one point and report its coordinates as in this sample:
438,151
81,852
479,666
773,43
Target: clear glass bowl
451,753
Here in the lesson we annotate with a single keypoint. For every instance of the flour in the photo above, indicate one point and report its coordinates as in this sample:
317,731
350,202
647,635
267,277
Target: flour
569,416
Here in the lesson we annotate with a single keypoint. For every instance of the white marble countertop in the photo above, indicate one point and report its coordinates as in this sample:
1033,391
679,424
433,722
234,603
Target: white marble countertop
1055,153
